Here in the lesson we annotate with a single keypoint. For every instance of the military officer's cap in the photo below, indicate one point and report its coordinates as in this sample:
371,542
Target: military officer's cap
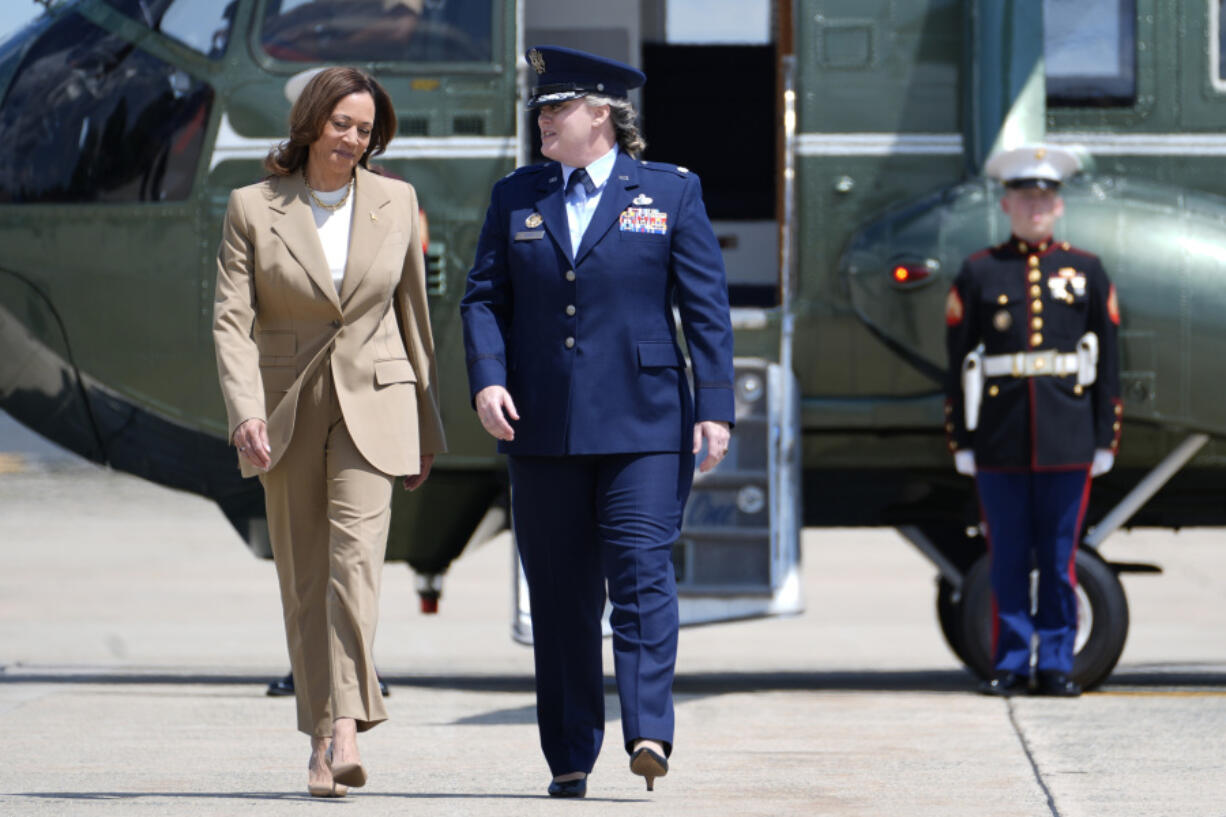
564,73
1041,166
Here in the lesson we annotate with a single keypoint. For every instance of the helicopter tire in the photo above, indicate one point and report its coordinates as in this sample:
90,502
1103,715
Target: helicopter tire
949,616
1102,615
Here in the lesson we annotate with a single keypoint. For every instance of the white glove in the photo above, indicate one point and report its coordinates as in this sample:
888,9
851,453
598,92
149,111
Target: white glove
964,462
1103,460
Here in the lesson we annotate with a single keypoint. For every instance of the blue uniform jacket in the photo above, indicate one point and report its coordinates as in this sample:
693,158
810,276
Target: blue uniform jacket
586,345
1019,298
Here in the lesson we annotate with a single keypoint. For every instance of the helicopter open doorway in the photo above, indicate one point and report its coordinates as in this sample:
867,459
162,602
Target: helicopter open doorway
739,551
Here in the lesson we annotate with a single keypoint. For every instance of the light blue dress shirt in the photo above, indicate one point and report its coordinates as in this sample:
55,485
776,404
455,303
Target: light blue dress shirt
580,207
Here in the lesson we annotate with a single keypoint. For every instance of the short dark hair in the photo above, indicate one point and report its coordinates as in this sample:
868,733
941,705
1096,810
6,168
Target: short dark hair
312,109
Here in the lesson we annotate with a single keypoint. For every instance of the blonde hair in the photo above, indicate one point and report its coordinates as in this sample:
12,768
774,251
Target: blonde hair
625,125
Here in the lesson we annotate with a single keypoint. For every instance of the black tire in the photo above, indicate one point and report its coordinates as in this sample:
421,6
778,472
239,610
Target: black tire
949,615
1102,628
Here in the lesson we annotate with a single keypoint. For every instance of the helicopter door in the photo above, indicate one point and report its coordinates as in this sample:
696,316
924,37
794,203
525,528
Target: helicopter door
738,555
739,549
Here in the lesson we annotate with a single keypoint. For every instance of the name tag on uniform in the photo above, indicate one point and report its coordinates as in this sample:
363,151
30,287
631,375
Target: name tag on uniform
529,235
644,220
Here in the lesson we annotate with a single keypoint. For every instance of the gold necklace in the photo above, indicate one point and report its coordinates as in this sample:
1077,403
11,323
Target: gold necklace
323,205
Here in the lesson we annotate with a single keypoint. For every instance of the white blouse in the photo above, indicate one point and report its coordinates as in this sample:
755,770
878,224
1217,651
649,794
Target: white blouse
333,226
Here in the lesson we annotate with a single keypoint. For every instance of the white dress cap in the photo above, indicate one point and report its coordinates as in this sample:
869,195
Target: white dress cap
1037,162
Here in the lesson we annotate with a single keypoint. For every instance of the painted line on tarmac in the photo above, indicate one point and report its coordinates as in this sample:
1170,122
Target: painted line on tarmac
1162,693
11,463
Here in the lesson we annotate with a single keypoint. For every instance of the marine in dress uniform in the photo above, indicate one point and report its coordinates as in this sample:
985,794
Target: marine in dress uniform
574,365
1033,411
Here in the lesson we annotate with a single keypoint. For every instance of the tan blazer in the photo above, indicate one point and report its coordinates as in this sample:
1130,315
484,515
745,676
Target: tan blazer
277,315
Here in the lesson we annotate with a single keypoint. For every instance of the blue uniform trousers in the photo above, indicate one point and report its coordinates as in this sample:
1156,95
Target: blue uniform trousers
1034,515
581,523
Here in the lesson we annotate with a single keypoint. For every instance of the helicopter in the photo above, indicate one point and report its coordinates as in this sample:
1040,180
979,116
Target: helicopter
841,147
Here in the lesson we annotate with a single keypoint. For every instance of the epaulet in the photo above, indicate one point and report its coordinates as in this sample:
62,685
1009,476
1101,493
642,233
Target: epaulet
984,253
527,170
1067,247
665,167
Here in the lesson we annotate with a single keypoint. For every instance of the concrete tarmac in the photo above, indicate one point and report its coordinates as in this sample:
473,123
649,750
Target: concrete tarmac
137,634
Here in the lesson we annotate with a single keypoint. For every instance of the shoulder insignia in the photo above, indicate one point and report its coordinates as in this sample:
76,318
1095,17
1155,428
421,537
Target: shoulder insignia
953,307
526,169
1113,306
666,168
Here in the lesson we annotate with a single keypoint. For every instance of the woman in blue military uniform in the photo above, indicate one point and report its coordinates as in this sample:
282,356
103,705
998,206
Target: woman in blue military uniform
1033,412
574,366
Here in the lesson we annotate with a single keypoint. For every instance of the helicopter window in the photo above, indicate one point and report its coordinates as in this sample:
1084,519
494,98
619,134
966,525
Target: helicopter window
202,25
1090,50
378,30
89,117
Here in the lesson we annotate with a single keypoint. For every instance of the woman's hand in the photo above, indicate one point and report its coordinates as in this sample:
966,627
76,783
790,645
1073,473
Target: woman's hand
251,439
414,482
718,435
494,406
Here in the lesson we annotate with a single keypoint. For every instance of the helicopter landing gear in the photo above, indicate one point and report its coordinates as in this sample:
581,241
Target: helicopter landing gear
1102,620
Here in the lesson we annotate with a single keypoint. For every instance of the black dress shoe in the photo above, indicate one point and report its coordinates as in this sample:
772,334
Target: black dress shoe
568,788
1004,684
285,686
281,687
1057,684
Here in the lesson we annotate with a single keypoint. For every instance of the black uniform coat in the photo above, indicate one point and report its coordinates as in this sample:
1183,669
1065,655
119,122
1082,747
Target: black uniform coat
586,342
1016,297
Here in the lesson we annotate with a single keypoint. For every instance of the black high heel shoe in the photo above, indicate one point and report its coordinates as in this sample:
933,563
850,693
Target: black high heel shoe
646,763
568,788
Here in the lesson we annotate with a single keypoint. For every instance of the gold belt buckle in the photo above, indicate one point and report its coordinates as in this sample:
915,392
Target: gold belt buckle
1018,364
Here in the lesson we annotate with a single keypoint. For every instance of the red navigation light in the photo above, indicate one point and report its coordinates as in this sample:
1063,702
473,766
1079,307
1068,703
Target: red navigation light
903,274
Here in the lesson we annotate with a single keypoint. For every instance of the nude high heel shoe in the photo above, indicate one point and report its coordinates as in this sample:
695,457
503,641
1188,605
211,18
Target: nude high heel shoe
334,790
349,774
330,789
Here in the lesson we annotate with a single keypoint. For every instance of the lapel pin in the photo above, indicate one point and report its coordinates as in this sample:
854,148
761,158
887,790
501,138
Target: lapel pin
373,216
533,220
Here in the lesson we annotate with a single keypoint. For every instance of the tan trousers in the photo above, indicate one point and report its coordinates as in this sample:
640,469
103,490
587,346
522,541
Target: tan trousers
328,515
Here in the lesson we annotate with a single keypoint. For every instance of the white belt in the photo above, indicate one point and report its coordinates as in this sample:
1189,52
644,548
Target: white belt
1031,364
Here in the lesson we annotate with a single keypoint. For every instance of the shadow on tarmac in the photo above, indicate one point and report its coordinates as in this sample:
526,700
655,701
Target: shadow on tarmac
292,796
1207,674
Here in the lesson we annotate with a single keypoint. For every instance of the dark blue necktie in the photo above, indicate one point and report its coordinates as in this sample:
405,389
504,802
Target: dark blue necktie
579,177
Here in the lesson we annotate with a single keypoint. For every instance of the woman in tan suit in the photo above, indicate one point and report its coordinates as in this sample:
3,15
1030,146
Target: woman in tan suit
327,369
